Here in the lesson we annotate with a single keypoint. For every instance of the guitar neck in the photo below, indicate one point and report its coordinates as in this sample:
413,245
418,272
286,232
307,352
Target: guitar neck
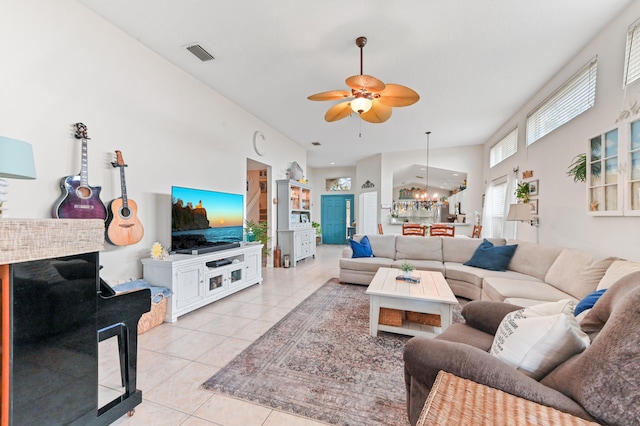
84,165
123,188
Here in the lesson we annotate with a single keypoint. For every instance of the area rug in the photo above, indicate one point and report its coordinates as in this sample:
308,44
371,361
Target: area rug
320,362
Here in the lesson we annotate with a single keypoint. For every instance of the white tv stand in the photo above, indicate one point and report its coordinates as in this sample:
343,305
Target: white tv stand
194,284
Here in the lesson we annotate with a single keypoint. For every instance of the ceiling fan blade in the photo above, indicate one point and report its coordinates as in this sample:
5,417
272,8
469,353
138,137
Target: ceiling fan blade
338,112
330,96
379,112
365,82
396,95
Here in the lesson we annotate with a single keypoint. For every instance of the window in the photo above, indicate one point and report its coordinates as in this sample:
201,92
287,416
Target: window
498,200
632,55
575,97
338,184
505,148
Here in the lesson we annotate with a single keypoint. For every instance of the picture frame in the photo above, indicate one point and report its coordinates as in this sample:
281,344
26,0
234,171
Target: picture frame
534,206
533,187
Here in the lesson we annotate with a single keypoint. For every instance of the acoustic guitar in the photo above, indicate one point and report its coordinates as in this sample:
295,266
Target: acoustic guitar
123,226
79,200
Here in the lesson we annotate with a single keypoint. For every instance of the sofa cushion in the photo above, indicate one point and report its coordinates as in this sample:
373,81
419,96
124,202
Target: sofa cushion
577,272
604,378
493,258
422,265
588,301
381,245
533,259
617,270
460,250
411,247
501,288
473,275
368,264
535,340
361,248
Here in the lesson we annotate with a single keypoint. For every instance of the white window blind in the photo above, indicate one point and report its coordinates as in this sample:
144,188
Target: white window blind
572,99
632,55
505,148
498,199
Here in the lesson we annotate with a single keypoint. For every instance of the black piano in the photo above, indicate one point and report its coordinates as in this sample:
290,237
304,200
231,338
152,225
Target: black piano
60,311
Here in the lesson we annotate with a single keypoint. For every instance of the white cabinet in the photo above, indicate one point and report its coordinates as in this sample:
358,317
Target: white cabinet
613,172
197,280
298,244
296,236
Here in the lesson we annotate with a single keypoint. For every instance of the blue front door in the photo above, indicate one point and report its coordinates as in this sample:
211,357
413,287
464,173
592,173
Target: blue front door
337,214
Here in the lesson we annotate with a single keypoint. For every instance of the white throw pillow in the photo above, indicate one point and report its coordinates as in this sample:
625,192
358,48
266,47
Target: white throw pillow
537,339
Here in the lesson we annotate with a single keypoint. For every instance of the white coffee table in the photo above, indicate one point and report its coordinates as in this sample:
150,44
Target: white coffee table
431,296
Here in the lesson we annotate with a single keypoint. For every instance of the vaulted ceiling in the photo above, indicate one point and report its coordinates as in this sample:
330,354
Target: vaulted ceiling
473,63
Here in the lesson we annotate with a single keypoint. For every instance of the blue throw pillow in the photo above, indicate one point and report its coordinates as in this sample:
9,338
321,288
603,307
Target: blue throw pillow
588,301
493,258
362,248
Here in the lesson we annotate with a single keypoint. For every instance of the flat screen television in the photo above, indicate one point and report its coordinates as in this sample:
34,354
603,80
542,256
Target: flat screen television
204,221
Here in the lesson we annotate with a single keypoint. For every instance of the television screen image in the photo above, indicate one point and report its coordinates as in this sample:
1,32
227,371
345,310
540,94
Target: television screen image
201,218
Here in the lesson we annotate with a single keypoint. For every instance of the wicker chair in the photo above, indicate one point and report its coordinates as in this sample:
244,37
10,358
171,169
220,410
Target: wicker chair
442,230
414,229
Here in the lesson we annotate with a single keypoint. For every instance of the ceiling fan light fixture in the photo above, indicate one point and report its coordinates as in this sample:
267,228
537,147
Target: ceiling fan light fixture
361,105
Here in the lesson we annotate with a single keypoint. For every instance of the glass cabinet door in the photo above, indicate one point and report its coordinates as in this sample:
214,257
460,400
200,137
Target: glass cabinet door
634,166
603,173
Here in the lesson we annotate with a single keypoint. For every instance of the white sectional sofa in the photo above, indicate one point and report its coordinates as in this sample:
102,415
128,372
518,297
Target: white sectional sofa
536,273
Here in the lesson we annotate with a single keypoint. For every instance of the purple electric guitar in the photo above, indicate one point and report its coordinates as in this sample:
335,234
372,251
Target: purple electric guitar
78,199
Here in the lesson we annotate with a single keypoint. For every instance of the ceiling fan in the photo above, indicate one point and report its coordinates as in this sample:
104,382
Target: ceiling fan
369,97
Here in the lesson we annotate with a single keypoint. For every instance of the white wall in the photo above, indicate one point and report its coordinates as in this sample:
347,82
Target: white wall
562,203
62,64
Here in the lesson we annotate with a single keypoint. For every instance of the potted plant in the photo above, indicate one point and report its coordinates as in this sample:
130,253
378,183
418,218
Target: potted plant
318,229
261,235
522,192
407,269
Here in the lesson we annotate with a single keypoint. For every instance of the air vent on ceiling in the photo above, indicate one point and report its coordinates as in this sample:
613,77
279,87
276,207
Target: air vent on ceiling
315,143
199,52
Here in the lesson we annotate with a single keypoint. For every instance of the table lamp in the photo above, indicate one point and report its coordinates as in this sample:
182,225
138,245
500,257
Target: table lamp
16,162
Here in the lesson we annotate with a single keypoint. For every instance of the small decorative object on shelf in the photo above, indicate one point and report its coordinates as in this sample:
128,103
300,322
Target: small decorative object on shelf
158,252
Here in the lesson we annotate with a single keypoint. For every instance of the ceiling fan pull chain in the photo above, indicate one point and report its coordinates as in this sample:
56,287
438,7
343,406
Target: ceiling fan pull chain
360,132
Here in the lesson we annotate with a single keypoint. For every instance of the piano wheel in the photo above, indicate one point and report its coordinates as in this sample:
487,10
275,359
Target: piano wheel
131,412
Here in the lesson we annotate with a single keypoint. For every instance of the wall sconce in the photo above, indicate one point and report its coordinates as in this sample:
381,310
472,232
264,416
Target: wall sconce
16,162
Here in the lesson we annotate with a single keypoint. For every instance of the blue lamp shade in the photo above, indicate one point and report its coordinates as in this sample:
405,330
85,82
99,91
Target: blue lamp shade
16,159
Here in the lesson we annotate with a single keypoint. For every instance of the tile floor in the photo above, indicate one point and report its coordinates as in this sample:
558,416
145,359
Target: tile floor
175,359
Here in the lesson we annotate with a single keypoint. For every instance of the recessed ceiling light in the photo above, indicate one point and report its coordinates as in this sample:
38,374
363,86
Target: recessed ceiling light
332,163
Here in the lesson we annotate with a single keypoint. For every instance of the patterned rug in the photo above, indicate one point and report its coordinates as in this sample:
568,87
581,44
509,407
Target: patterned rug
320,362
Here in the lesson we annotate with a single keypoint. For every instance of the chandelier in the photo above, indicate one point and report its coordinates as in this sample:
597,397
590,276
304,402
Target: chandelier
423,194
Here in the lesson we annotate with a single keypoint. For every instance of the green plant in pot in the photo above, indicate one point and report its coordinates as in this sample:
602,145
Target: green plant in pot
316,226
522,192
407,268
578,168
260,230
